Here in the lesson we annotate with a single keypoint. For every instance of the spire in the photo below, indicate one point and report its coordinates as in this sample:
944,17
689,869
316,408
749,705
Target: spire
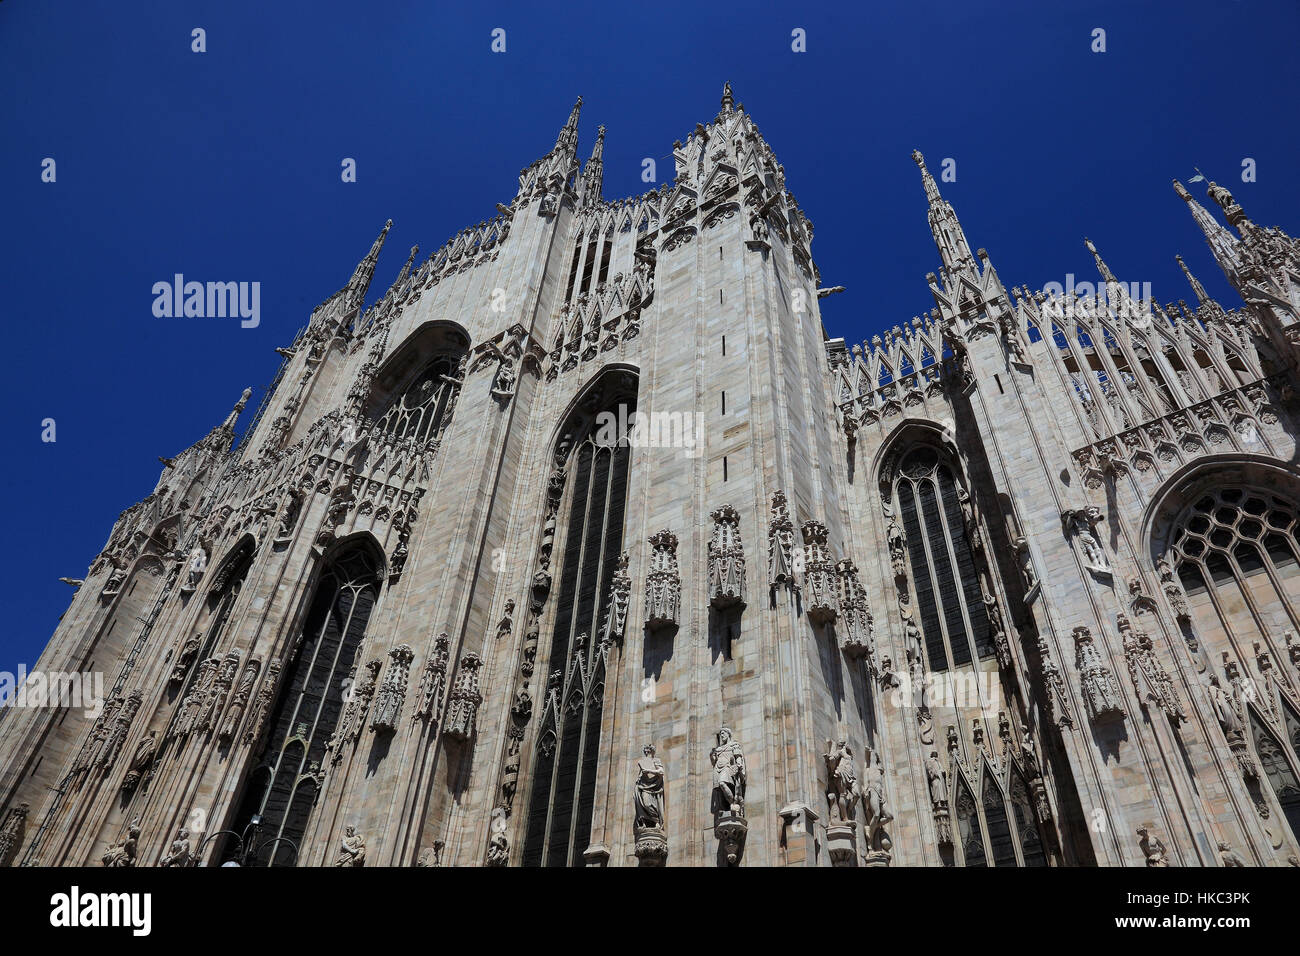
1102,268
229,423
406,269
1222,243
568,138
593,172
1201,296
728,101
365,271
947,231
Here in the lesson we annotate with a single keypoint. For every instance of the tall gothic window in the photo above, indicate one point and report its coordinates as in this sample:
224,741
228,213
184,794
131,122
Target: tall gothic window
422,409
1279,766
953,617
564,772
282,789
1235,551
995,831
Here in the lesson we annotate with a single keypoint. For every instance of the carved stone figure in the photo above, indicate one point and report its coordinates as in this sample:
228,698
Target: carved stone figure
197,564
122,854
239,700
729,774
873,804
856,624
937,778
1224,710
1151,682
894,535
184,659
1229,856
1081,527
1152,847
649,803
352,848
843,790
432,681
11,832
620,593
141,761
257,717
180,853
1173,589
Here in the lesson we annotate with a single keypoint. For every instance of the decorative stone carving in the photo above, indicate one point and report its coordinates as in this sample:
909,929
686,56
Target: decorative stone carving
261,711
1152,847
897,543
1027,572
1081,529
180,852
620,594
141,761
780,546
215,701
184,659
1173,589
818,574
463,704
937,783
239,700
498,851
392,693
357,706
432,681
1228,856
663,583
352,848
122,853
121,727
1229,718
857,627
1100,692
507,623
648,824
876,812
728,801
197,564
12,832
843,790
1151,682
1055,701
726,559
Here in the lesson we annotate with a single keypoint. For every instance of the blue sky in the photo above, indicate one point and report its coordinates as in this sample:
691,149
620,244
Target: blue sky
225,166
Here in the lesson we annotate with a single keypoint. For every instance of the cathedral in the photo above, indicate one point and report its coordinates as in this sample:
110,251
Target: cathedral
585,545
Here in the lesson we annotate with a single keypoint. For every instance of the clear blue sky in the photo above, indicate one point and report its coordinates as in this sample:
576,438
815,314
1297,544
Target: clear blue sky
225,166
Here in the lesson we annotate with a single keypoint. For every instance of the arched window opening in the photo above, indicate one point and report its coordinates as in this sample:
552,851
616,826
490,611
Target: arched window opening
421,411
1278,767
1236,552
953,617
283,786
558,827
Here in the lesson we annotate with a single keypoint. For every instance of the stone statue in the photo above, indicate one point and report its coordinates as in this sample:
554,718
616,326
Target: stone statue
649,800
1152,848
842,788
935,776
123,853
141,760
1228,855
1224,709
353,847
873,802
729,775
180,854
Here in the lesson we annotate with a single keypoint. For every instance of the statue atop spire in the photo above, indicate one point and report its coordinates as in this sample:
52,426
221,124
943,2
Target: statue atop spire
1102,268
728,101
593,173
1222,242
931,187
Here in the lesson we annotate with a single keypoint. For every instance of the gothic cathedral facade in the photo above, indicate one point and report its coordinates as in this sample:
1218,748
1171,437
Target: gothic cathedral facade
585,545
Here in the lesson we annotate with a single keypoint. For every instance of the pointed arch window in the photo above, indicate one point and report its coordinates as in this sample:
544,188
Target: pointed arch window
953,618
1278,763
998,829
282,788
422,410
561,803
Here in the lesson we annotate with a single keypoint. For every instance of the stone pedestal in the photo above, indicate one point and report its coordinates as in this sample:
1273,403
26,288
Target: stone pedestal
730,829
596,855
878,858
651,846
842,844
